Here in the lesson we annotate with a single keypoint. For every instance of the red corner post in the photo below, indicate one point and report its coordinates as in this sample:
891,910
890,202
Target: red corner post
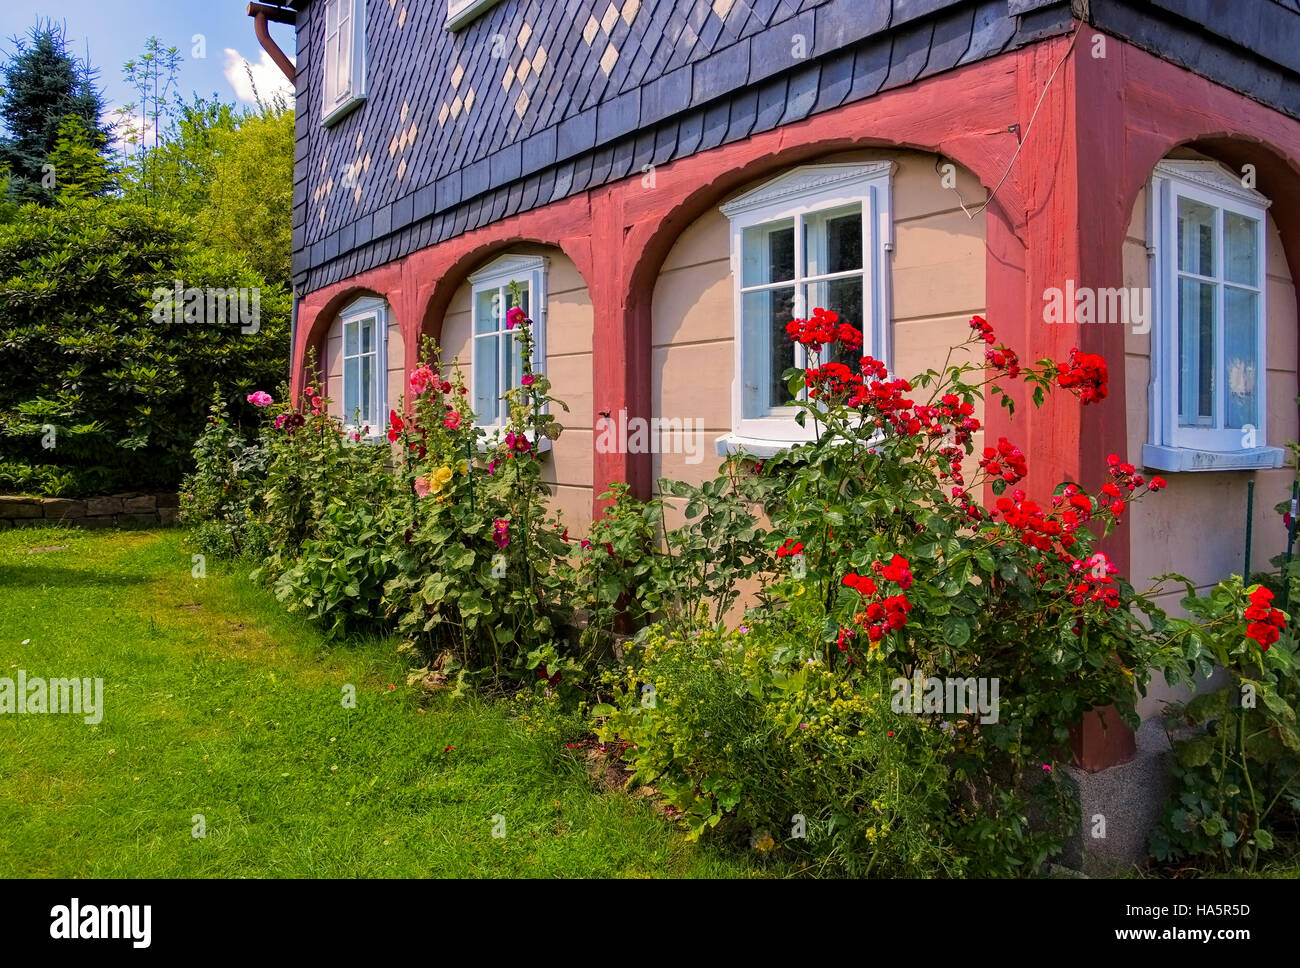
1070,175
620,345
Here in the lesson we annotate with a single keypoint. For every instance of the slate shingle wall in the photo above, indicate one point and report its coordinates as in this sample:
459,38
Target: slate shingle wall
539,99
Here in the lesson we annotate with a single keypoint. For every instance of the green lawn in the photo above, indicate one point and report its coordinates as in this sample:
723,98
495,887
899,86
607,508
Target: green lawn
217,703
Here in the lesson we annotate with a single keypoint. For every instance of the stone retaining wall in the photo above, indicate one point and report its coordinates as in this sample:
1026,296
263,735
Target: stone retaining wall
131,510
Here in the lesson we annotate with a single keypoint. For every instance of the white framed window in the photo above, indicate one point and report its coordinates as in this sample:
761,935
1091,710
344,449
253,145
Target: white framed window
495,360
1208,395
364,325
817,236
344,79
461,12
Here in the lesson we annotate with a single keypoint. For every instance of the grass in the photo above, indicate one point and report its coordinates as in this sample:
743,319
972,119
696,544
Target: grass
217,703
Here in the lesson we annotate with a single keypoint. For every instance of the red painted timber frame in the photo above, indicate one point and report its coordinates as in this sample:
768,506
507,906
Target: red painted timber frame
1061,214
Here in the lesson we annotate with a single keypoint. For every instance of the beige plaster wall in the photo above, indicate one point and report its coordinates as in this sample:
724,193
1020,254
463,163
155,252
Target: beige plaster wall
568,465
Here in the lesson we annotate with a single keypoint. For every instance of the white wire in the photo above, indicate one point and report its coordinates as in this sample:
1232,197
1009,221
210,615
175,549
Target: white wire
1025,137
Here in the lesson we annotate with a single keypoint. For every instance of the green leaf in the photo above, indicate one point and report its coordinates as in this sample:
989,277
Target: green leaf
956,631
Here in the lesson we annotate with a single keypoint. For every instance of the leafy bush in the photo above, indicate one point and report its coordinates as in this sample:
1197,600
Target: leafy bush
81,353
1236,777
882,568
220,502
780,752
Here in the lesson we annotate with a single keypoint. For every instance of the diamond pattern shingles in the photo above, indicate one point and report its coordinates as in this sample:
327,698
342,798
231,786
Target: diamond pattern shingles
536,99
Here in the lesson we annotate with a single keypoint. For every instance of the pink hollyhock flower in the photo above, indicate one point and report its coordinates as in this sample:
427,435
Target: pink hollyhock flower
422,488
279,421
528,380
515,317
501,532
452,420
420,379
260,398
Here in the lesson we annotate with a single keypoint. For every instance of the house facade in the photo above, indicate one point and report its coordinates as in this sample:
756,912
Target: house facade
667,182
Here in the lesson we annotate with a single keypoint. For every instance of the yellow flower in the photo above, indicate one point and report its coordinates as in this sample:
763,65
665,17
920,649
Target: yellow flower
462,467
438,479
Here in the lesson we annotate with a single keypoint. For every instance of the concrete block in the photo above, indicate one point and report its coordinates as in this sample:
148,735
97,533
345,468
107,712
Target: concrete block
1128,799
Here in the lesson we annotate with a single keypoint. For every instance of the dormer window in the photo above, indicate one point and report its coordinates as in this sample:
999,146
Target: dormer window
344,82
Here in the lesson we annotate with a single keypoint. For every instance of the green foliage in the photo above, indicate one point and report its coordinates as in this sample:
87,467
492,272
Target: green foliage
249,208
44,85
79,167
1235,796
222,499
876,567
81,351
790,756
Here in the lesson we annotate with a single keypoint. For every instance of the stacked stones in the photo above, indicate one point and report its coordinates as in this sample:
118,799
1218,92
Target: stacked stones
133,509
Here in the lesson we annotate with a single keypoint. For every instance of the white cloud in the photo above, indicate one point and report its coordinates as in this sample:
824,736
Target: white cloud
130,132
268,78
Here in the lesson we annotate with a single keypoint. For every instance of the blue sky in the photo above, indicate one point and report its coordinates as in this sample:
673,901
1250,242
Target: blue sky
117,29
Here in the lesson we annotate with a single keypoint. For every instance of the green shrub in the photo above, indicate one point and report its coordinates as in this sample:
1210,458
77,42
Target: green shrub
789,756
1235,794
95,396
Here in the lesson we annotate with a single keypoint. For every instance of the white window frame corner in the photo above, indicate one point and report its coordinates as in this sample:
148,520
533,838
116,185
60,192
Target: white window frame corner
462,12
334,111
358,309
498,274
800,191
1171,447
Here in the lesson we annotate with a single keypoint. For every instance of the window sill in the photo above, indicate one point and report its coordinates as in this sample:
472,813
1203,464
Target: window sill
752,446
467,13
1177,459
337,114
492,437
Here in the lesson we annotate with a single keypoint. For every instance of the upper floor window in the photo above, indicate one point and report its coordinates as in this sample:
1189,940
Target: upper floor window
815,237
364,326
1208,354
461,12
344,85
496,363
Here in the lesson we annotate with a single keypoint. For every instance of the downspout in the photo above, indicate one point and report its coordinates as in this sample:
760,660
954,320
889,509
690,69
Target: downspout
261,14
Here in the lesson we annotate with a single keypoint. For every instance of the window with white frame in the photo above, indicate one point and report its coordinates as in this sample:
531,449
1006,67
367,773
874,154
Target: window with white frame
344,81
364,356
461,12
496,360
817,236
1208,353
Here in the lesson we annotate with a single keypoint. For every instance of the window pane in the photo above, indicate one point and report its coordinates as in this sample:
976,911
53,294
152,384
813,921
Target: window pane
367,328
509,351
351,401
486,309
366,393
485,378
842,296
1195,237
1240,249
768,350
833,241
344,73
768,253
1196,352
349,339
523,301
1240,349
